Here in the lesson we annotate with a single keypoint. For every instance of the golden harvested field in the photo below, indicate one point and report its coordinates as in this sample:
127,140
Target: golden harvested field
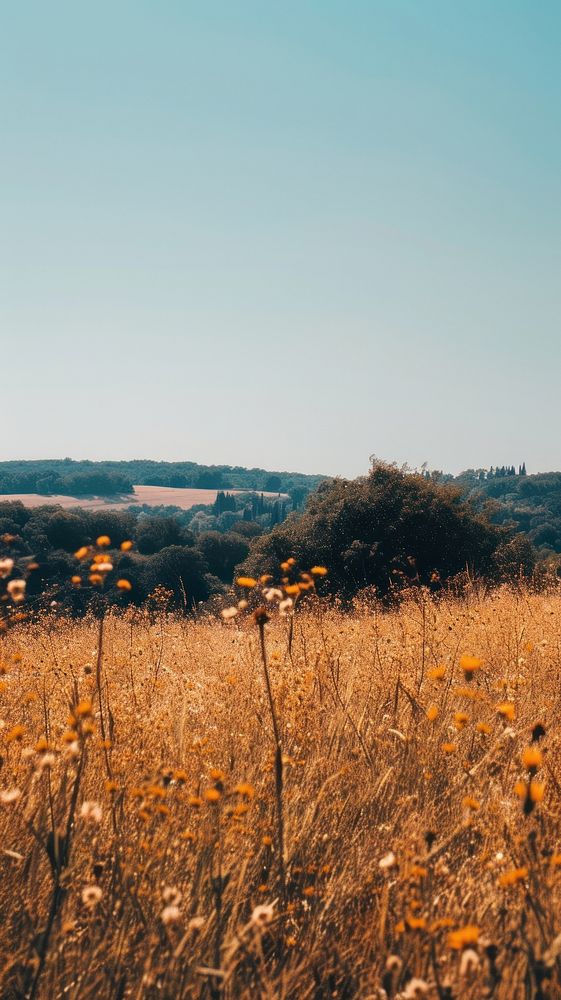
143,803
153,496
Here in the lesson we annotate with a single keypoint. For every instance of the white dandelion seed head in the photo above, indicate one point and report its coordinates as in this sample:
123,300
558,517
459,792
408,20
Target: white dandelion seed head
170,914
9,795
91,896
469,963
388,861
171,894
45,761
262,915
196,924
415,988
6,567
16,590
92,812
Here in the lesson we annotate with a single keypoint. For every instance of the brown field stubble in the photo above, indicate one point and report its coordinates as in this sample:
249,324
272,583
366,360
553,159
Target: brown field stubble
138,826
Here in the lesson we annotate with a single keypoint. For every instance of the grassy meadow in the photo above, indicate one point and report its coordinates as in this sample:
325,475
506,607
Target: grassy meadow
329,805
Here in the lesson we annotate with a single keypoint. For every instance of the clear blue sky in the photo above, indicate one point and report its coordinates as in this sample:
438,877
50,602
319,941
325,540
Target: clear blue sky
286,234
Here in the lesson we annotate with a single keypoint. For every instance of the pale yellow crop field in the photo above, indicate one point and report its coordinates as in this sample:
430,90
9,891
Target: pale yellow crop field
151,496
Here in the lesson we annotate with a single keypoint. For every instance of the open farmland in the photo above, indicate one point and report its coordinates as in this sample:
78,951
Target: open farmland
152,496
402,841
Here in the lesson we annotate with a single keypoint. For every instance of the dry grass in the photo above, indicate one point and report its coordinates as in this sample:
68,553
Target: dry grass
158,897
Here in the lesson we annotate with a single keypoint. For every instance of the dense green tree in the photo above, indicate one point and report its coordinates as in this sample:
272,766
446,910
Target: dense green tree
182,571
380,530
65,530
273,484
155,533
222,553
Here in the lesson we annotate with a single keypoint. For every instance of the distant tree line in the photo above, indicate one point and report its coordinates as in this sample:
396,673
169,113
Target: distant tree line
81,478
165,554
382,532
76,484
526,503
192,553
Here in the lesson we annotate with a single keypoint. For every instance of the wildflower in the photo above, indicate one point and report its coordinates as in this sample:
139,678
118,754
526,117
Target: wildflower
212,794
292,588
91,896
76,580
319,571
415,988
16,733
468,935
536,791
82,552
460,719
483,727
171,894
416,923
104,567
260,616
91,812
507,710
126,546
432,713
394,963
124,585
10,795
46,760
510,878
437,673
469,802
273,594
469,963
470,665
467,692
285,606
449,747
196,924
16,590
229,613
532,758
84,708
246,581
388,861
440,923
6,567
103,541
95,579
262,915
247,791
